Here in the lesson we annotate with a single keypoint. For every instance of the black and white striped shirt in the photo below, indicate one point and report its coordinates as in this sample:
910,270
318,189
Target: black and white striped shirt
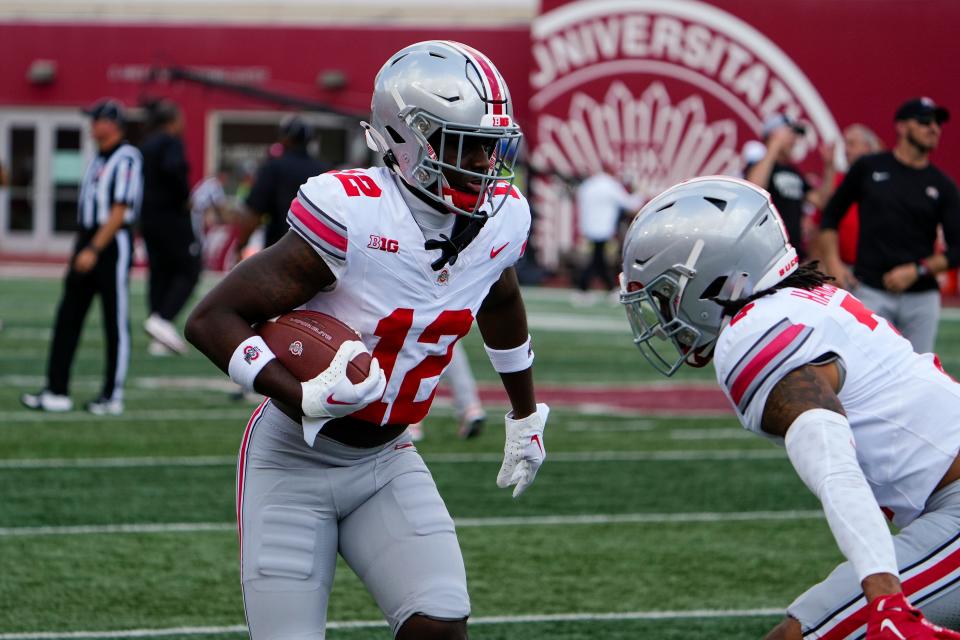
113,177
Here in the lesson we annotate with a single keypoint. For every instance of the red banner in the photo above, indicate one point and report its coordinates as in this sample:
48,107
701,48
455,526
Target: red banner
664,90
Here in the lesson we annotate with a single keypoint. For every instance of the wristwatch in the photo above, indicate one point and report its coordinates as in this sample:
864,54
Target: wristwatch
922,269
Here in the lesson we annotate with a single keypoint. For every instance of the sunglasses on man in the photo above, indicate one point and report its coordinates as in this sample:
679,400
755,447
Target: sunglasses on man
927,120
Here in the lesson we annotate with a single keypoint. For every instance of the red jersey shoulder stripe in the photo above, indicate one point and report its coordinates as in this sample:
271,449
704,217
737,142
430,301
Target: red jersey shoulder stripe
763,358
319,230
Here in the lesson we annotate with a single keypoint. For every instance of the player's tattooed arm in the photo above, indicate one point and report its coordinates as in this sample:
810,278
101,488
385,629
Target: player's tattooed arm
803,389
265,285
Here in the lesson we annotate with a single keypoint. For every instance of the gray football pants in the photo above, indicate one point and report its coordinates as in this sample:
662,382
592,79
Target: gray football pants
298,506
928,553
915,315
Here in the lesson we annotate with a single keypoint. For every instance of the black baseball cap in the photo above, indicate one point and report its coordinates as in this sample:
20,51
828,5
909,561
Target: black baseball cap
107,109
922,108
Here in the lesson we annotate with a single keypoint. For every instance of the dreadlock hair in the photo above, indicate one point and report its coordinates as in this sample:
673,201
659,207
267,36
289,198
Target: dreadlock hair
807,276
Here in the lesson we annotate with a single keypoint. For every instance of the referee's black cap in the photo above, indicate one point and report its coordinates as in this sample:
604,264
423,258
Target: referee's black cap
107,109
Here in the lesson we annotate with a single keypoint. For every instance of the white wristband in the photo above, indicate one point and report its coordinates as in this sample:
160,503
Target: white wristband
511,360
247,360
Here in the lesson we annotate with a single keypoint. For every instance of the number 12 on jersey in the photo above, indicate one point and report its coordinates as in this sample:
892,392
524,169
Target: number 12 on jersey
393,332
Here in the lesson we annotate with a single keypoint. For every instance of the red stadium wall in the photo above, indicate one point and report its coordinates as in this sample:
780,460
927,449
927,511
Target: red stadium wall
674,88
856,60
95,61
863,57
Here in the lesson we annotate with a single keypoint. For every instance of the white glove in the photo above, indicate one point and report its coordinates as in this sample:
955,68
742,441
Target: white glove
332,395
523,451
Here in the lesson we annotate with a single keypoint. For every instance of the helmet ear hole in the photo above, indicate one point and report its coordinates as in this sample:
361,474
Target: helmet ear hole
397,138
714,288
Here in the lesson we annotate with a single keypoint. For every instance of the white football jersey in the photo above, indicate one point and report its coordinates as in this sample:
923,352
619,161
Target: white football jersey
903,409
408,315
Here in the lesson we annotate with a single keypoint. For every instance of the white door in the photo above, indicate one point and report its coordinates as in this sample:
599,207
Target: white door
44,153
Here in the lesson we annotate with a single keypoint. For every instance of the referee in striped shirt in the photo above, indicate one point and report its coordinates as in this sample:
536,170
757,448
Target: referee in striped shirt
100,265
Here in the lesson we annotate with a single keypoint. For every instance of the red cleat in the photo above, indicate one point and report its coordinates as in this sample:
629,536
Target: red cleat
893,618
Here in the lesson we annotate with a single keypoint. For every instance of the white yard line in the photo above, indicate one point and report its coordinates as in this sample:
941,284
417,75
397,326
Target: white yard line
622,456
463,523
709,434
577,323
436,458
102,529
187,416
106,463
366,624
639,518
622,427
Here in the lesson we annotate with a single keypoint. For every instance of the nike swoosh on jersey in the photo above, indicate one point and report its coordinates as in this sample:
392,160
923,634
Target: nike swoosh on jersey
880,176
495,252
888,624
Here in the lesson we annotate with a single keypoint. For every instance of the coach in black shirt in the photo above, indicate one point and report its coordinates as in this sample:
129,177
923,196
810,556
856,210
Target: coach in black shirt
903,199
279,179
788,189
99,266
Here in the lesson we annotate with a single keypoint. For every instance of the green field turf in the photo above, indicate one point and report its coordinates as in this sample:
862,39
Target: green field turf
661,528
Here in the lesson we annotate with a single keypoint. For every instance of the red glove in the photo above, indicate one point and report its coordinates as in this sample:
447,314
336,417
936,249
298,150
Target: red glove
893,618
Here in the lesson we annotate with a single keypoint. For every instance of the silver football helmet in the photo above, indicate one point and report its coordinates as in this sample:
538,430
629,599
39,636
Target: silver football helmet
706,239
429,99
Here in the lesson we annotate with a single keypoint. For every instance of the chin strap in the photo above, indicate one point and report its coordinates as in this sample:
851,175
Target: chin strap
464,231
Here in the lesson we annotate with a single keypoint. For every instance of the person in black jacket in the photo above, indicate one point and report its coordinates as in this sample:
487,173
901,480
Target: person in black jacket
279,179
903,200
172,248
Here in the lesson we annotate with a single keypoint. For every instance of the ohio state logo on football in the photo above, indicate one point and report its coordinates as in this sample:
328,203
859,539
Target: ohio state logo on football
383,244
657,91
296,348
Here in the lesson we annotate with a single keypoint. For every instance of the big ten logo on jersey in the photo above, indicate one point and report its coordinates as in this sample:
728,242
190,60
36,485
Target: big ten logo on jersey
383,243
356,183
410,389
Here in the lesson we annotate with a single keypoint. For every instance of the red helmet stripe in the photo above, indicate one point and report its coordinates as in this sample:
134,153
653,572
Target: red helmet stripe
492,77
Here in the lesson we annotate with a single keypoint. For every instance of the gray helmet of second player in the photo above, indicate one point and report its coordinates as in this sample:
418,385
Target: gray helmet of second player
710,238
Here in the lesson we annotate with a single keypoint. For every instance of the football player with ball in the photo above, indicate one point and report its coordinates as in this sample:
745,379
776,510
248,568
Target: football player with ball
401,259
870,426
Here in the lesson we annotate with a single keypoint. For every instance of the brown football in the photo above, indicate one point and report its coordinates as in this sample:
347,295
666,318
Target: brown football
306,341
